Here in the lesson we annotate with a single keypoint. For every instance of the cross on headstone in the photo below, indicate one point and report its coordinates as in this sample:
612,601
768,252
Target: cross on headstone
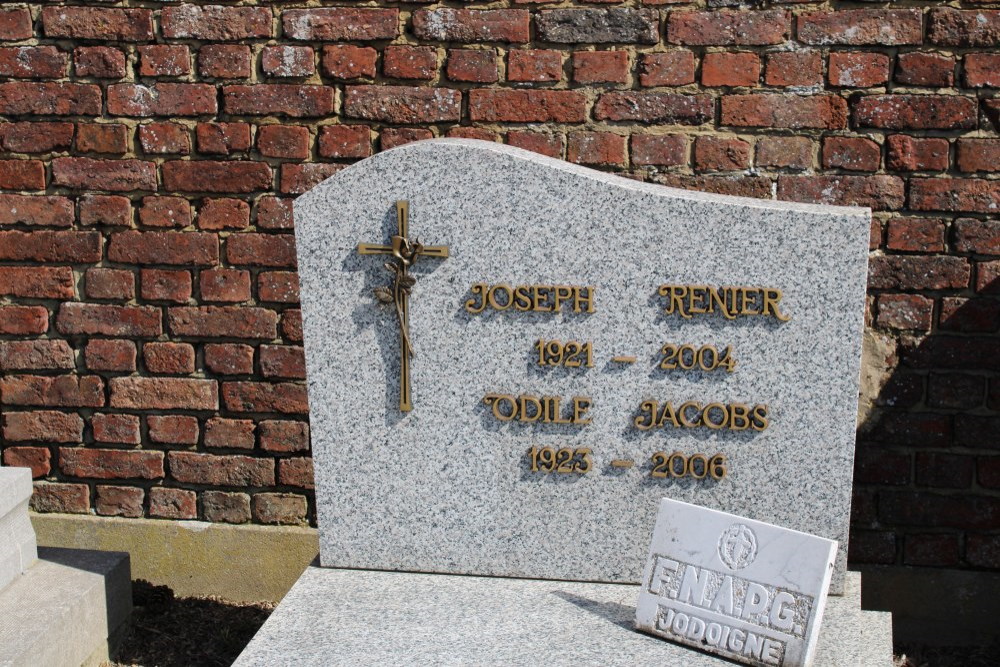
406,253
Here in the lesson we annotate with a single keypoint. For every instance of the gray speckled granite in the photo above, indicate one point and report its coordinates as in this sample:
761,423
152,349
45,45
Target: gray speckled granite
446,488
352,617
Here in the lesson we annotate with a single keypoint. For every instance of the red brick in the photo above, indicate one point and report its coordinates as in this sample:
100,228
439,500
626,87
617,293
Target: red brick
33,62
222,507
224,213
229,358
61,498
50,99
410,62
22,175
730,69
182,248
169,358
538,65
105,138
219,470
713,153
600,67
907,153
37,282
794,68
164,138
268,99
854,69
283,141
954,194
977,236
116,429
125,501
345,61
162,285
916,235
39,459
161,99
982,70
173,429
344,141
916,112
872,546
261,249
110,463
673,68
35,210
215,22
932,549
46,246
223,138
654,107
954,27
282,361
742,186
976,315
115,175
108,320
167,503
881,27
36,137
275,213
944,470
851,153
229,433
983,551
987,471
284,436
299,178
404,104
111,210
234,176
391,137
42,426
105,24
915,272
978,155
926,69
537,142
102,62
340,23
164,212
148,393
478,65
110,355
661,150
284,397
297,471
722,28
472,25
596,148
880,192
224,61
225,285
785,152
222,322
288,61
905,311
785,111
110,284
279,508
30,355
15,23
164,60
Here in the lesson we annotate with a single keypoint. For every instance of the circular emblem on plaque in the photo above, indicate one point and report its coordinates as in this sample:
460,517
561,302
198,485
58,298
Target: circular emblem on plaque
737,546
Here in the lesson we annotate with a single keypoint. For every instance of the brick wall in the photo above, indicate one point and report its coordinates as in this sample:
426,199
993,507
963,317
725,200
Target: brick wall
150,334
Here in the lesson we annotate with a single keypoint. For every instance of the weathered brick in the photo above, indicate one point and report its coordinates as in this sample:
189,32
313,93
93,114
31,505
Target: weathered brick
880,192
50,99
225,285
229,358
299,178
61,498
274,213
926,69
102,62
976,315
283,397
32,355
182,248
721,154
222,322
110,463
223,507
284,436
42,426
116,429
905,311
914,272
404,104
881,27
916,112
164,139
161,99
223,138
33,62
785,111
666,150
971,195
28,137
655,107
977,236
740,186
224,61
39,459
794,68
110,210
219,470
851,153
915,235
855,69
282,361
167,503
537,142
730,69
291,325
57,391
110,355
278,286
982,70
98,23
978,155
224,213
229,433
164,60
49,246
956,27
109,284
42,211
785,152
477,65
340,23
534,65
169,358
475,25
261,249
124,501
215,22
22,175
673,68
173,429
154,393
410,62
288,61
339,141
345,61
723,28
600,67
164,212
162,285
234,176
279,508
15,23
284,141
102,138
296,471
108,320
906,153
84,173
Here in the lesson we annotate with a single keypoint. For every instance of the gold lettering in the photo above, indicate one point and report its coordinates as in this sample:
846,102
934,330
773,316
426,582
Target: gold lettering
580,406
493,400
492,297
739,417
562,293
759,420
525,401
522,298
729,301
682,416
647,413
706,416
668,414
695,294
539,298
581,303
771,299
470,305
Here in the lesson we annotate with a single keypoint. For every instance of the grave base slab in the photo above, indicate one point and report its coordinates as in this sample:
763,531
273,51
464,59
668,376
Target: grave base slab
66,609
349,617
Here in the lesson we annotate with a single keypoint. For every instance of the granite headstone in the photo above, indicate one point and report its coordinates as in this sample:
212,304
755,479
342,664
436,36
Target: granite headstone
579,346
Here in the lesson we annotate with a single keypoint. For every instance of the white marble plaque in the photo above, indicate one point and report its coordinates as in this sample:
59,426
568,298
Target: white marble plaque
747,590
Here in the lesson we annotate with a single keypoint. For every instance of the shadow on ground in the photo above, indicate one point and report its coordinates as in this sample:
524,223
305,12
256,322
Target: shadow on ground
175,632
